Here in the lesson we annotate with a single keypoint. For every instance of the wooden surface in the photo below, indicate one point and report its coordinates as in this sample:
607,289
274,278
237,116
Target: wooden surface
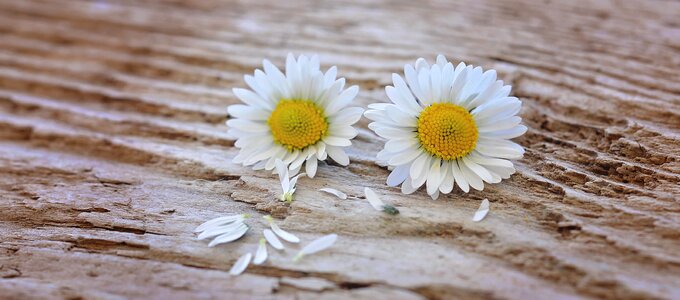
113,148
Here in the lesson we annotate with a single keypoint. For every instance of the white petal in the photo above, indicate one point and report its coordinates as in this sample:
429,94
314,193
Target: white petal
508,133
401,96
398,145
248,112
400,117
407,187
251,98
419,166
263,153
310,166
330,75
422,178
342,131
282,170
338,155
248,126
297,162
482,211
347,116
492,125
241,264
294,180
472,179
276,78
499,148
412,80
286,236
220,230
343,100
261,254
317,245
398,175
405,157
390,132
434,178
373,199
321,150
335,192
458,175
218,221
448,181
272,239
229,237
337,141
458,84
477,169
441,60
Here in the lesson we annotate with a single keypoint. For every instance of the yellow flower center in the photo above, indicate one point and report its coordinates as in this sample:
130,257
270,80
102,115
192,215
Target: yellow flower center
296,124
447,131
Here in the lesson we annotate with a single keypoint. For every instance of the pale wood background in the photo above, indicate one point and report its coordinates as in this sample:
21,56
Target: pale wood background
113,148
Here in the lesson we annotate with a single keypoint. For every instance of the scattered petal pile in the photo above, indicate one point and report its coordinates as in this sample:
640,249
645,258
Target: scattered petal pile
223,229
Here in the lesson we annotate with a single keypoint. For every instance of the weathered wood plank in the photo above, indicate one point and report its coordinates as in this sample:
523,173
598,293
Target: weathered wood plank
113,148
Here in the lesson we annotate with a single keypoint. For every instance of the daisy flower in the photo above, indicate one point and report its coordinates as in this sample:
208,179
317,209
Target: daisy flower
447,125
300,117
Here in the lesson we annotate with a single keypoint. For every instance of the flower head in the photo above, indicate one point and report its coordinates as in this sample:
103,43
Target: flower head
299,117
447,125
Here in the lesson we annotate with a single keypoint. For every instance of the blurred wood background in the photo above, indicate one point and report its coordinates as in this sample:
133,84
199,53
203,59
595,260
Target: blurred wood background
113,148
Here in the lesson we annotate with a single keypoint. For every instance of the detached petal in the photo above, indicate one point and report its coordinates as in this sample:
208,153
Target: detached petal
220,230
286,236
241,264
335,192
482,211
317,245
261,254
282,169
229,237
373,199
272,239
217,222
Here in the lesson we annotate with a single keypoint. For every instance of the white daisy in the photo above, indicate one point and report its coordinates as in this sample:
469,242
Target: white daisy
299,117
447,125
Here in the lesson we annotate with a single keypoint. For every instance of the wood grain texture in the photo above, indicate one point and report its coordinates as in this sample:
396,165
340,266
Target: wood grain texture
113,148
